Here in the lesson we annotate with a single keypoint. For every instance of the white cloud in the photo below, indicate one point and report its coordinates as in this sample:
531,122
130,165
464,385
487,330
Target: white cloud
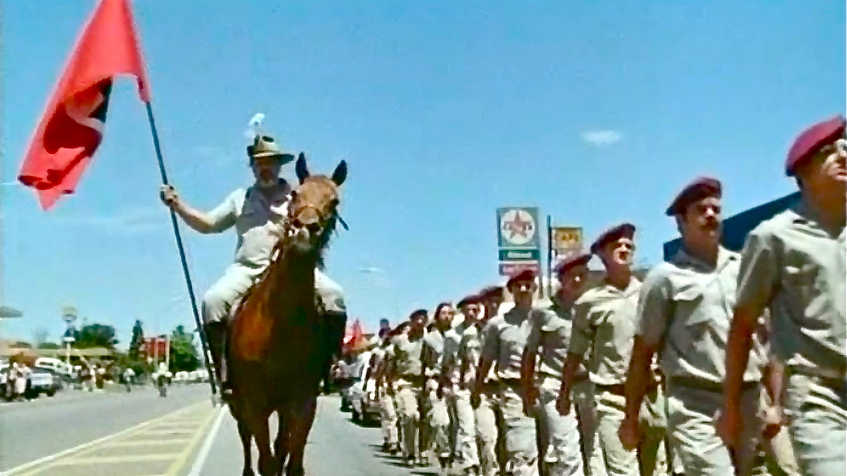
602,138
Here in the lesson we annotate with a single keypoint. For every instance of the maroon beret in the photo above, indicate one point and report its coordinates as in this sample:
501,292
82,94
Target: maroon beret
419,312
525,275
471,299
699,188
490,291
581,259
812,140
624,230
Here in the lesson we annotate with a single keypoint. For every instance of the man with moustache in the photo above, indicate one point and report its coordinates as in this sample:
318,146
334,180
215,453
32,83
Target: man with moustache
457,392
683,314
550,332
408,367
794,264
257,214
435,432
604,324
504,339
485,399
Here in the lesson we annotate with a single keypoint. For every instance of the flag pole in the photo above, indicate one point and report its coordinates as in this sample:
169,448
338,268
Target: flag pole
203,343
549,255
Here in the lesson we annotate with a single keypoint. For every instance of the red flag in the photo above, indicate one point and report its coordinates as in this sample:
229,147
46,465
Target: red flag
72,126
354,333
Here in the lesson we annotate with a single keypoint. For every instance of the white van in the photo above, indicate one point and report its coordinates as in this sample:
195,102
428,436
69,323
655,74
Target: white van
55,365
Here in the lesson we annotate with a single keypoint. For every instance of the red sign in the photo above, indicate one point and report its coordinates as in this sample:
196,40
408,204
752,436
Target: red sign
156,346
508,269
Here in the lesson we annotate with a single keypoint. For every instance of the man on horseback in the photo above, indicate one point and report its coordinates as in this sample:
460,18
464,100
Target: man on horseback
258,214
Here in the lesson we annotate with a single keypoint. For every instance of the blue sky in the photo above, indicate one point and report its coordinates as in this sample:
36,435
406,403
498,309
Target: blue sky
595,112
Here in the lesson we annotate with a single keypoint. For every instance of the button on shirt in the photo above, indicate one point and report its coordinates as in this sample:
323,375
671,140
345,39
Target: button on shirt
604,322
257,218
687,305
551,331
793,260
503,341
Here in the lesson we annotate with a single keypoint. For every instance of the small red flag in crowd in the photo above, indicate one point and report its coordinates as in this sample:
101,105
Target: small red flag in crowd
71,128
354,334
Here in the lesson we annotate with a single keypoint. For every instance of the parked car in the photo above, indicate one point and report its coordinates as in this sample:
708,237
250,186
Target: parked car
364,405
42,381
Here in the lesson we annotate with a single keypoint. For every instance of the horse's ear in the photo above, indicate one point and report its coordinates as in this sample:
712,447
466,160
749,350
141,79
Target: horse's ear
340,174
300,168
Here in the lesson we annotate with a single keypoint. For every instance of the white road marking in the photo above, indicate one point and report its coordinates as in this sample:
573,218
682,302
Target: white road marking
200,462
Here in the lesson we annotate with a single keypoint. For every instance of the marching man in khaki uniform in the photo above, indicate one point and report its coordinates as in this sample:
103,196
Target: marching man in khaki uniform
457,389
388,414
408,367
794,264
504,339
483,399
435,433
604,324
257,213
683,314
551,332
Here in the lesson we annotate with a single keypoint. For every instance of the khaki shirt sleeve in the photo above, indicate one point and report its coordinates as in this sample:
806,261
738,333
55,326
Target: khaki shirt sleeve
654,308
758,272
533,341
224,215
582,335
490,342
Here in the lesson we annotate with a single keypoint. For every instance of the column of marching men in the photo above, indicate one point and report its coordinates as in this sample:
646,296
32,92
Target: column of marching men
718,363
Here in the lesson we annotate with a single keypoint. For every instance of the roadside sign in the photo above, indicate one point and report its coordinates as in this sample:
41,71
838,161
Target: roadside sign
518,227
519,255
512,267
518,239
567,241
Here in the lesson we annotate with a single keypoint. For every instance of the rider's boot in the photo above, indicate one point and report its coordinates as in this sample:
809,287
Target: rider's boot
336,324
216,333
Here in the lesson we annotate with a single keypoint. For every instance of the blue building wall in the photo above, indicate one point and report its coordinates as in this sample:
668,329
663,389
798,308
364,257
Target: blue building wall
735,228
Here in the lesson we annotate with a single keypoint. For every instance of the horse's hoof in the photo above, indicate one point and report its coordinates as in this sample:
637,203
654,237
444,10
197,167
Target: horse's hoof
248,472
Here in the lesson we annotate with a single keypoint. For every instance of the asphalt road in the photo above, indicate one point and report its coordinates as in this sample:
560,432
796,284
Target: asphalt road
141,434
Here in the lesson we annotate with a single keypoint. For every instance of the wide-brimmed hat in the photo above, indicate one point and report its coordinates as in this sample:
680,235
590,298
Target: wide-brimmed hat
266,146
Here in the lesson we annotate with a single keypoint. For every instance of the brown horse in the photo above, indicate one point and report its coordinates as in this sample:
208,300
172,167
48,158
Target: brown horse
277,349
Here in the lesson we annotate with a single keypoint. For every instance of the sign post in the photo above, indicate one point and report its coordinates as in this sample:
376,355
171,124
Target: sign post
518,240
69,315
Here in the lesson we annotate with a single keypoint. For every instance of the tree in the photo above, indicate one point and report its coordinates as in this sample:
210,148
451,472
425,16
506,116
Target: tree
49,345
96,335
136,342
183,352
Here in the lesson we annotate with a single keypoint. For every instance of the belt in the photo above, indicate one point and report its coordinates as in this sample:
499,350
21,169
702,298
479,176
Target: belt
709,386
616,389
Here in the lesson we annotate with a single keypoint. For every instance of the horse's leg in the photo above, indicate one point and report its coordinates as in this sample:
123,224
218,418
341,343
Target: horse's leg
259,427
299,424
281,443
246,446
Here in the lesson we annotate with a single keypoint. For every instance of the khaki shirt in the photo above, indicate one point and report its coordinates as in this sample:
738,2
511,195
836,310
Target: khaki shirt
407,356
792,260
470,352
686,306
503,341
256,219
433,352
604,323
551,331
451,359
